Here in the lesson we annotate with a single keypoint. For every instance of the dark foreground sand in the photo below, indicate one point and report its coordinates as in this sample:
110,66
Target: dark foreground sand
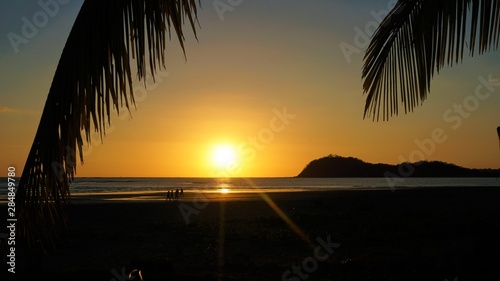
418,234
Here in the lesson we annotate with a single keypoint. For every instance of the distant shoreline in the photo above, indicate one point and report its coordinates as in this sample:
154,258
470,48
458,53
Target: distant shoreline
338,166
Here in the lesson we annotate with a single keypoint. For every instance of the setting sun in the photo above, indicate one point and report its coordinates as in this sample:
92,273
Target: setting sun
223,155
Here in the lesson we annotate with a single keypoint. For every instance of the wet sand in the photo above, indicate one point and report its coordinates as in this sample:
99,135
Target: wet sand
414,234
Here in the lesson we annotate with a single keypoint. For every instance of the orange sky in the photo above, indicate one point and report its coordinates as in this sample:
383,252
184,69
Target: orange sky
268,79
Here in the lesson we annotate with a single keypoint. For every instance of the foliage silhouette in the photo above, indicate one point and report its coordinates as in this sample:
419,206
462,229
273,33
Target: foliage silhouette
334,166
415,40
94,75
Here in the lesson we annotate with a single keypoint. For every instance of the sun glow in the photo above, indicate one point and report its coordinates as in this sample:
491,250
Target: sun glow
223,156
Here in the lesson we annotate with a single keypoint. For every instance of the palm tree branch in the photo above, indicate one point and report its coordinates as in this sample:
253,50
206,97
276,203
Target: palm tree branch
93,77
415,40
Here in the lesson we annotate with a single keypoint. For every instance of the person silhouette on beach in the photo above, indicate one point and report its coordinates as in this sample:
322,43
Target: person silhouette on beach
182,192
177,194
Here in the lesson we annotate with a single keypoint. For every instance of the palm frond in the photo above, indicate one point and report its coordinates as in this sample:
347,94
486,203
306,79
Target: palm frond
498,133
94,75
415,40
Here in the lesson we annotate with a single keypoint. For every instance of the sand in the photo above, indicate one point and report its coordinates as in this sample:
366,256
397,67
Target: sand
416,234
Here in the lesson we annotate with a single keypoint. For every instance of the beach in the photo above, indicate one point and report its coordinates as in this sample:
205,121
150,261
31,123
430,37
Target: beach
432,233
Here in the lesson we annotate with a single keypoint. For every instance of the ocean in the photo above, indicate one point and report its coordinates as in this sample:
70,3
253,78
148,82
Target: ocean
100,185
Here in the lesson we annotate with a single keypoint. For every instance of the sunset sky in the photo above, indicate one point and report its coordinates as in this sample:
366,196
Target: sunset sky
269,80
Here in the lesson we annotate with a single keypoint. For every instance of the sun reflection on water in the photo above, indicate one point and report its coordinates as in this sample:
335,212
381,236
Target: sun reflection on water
224,186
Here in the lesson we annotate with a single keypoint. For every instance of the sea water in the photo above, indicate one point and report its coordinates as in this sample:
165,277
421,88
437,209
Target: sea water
99,185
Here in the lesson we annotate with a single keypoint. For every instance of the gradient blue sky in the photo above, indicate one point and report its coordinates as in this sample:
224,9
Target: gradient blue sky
258,58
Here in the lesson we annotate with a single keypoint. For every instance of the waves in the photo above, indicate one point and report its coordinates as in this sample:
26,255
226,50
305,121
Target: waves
98,185
270,184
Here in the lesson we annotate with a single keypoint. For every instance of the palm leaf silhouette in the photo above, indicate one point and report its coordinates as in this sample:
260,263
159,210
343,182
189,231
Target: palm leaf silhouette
498,133
94,75
415,40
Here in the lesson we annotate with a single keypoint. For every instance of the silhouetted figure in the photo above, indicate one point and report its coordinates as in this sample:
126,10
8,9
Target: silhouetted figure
177,194
168,195
182,192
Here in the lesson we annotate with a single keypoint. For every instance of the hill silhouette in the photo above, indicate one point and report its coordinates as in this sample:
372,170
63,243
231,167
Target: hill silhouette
334,166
